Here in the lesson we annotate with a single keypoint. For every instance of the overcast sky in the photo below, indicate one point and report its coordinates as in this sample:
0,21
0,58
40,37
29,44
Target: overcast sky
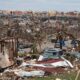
40,5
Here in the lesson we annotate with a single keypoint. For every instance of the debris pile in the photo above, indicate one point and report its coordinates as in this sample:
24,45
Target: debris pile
40,67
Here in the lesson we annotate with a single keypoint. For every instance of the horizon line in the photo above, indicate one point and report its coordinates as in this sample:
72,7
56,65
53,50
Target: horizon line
39,10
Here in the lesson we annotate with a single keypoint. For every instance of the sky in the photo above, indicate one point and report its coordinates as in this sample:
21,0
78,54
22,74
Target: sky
40,5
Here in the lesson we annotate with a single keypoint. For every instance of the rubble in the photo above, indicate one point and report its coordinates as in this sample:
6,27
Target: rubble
30,35
26,73
40,67
57,79
35,73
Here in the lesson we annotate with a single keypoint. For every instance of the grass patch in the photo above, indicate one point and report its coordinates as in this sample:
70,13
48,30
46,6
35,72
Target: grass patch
65,76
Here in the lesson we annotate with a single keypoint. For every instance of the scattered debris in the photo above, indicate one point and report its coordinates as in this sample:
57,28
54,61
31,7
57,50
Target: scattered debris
22,73
57,79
